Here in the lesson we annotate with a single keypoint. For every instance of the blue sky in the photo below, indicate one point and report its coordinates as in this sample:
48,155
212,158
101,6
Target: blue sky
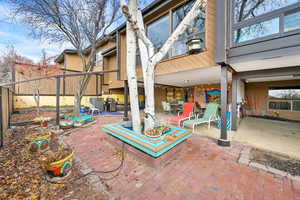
17,34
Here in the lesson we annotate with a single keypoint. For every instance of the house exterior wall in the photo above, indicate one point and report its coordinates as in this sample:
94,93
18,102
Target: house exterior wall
186,61
73,62
257,99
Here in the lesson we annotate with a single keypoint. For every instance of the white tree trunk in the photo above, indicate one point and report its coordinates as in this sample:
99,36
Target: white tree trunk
150,101
132,78
148,57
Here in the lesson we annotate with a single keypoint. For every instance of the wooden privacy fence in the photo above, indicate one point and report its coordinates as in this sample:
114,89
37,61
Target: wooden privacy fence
47,86
6,103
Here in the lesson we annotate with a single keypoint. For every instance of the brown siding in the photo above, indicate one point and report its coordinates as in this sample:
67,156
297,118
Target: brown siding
257,98
73,62
123,53
111,78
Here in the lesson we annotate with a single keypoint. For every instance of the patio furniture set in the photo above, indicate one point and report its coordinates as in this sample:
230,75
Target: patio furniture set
191,117
99,105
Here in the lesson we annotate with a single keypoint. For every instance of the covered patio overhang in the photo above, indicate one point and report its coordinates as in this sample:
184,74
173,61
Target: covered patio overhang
194,77
209,75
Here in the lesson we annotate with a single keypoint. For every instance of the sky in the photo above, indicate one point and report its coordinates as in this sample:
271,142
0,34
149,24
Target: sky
18,35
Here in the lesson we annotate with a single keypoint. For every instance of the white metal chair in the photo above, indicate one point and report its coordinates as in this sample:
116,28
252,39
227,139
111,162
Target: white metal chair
93,109
166,106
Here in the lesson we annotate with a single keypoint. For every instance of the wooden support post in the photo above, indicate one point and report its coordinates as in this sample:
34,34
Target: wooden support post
1,119
223,141
234,102
125,101
57,100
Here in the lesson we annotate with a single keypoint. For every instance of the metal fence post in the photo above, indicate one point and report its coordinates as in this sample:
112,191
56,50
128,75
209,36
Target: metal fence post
57,100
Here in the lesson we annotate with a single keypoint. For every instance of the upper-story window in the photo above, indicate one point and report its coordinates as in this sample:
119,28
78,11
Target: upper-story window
248,9
99,59
197,28
259,19
158,31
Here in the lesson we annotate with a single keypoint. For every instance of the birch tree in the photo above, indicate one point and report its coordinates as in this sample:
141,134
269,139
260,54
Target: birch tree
150,58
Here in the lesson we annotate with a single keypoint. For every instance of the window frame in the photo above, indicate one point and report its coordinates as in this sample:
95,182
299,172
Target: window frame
291,101
102,62
198,33
169,31
280,13
170,28
283,100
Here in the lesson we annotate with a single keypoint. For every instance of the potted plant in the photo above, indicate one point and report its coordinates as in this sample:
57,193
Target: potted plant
157,131
58,163
43,121
39,140
66,124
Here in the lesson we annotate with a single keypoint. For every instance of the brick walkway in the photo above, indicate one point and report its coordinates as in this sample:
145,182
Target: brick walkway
203,171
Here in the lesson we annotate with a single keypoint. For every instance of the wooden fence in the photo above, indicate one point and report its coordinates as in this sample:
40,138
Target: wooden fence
6,108
68,86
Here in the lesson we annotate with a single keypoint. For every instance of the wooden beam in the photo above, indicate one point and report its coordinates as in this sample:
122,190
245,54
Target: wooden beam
126,101
286,71
234,101
223,141
118,42
61,75
57,100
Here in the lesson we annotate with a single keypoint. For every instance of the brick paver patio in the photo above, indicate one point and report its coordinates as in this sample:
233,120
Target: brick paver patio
202,171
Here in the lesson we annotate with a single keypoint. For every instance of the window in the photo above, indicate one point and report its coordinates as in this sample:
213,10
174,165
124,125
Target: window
158,32
248,9
196,29
280,105
296,105
255,31
254,20
289,94
292,21
284,99
99,59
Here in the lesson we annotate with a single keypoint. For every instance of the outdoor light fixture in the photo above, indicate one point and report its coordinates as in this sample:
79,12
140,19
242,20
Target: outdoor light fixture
194,45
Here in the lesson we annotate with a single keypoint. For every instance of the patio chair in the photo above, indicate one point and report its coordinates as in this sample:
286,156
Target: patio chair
210,114
187,113
93,109
166,106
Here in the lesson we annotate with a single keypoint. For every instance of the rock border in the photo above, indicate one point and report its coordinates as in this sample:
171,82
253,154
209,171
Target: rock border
244,159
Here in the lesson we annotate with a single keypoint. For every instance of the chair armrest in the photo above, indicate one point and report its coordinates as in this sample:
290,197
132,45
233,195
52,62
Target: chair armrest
178,114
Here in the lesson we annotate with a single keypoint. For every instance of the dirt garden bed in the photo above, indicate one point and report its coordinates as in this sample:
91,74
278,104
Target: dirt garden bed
276,161
22,175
